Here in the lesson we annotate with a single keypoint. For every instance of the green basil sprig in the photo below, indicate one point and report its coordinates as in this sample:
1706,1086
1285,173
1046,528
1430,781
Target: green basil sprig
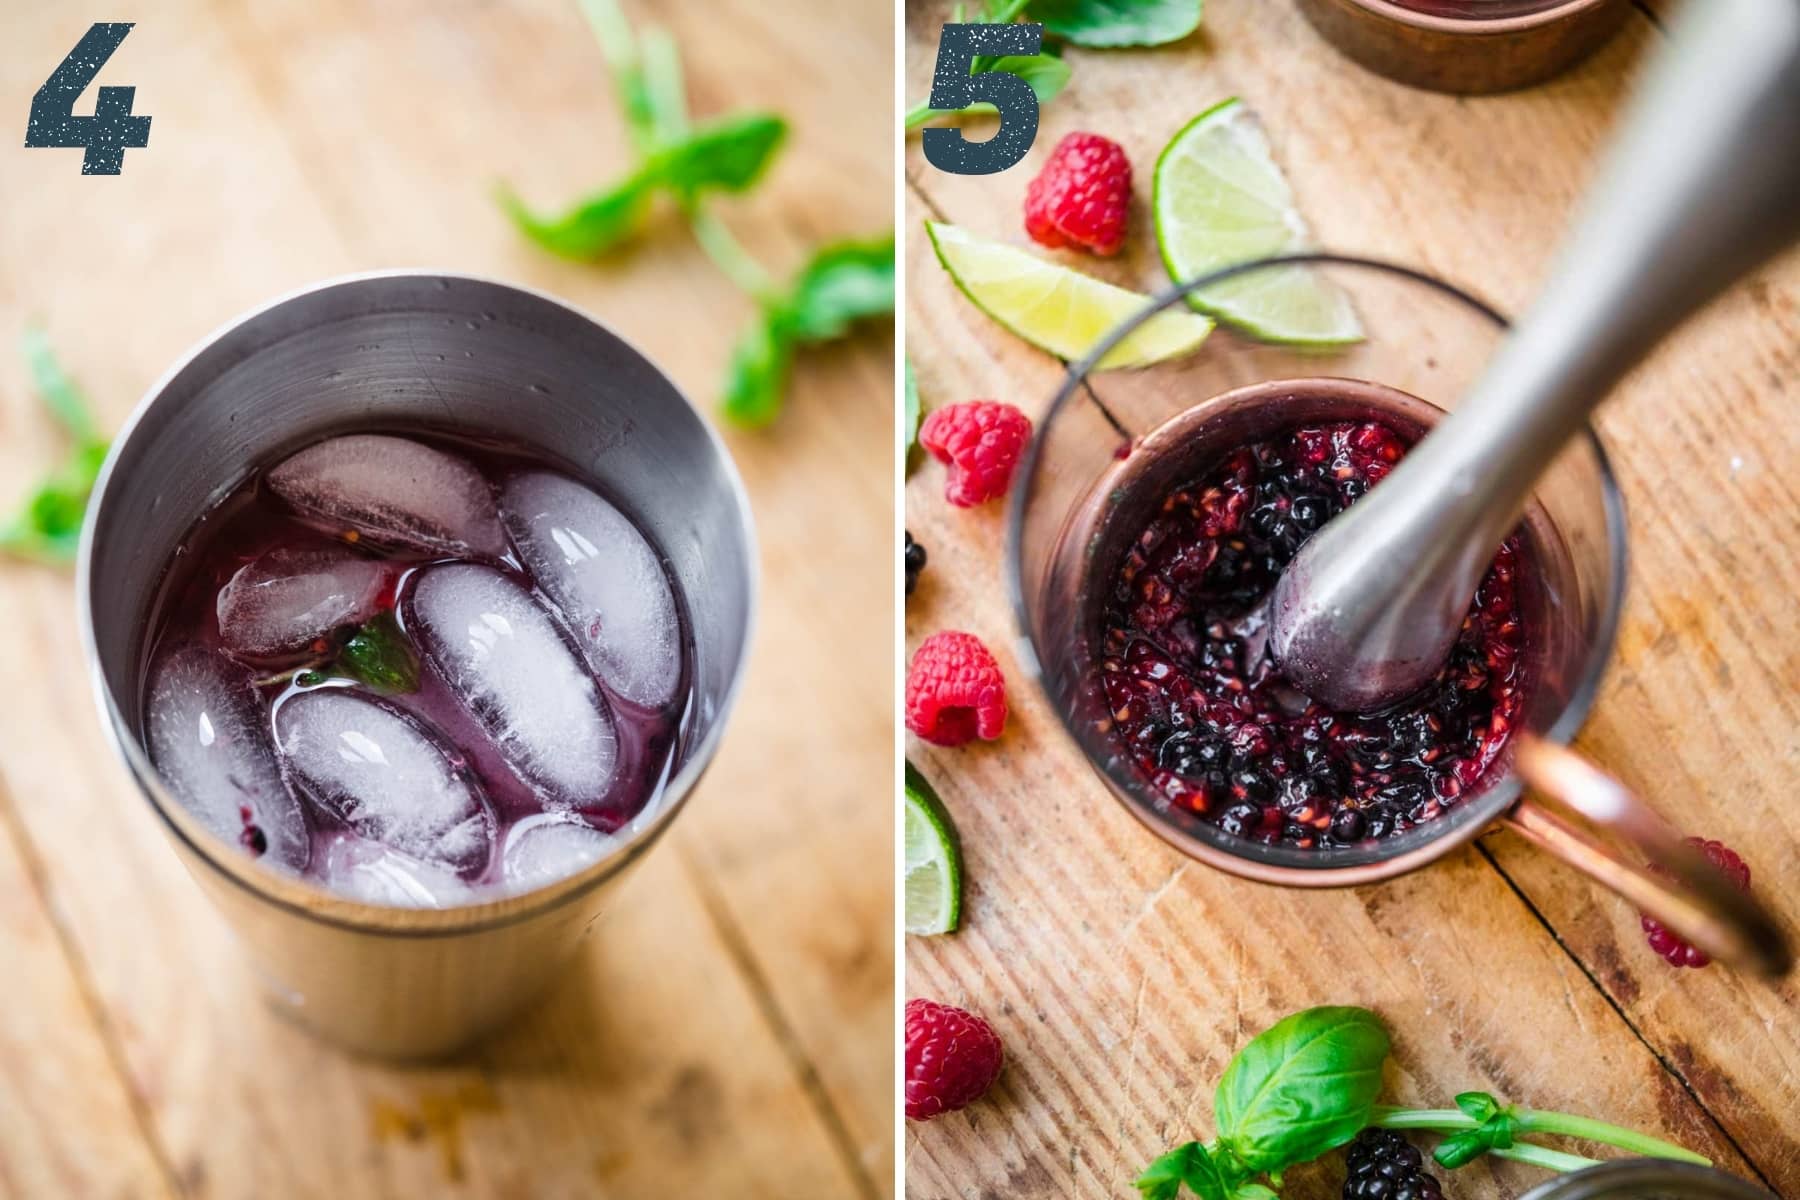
48,527
1307,1085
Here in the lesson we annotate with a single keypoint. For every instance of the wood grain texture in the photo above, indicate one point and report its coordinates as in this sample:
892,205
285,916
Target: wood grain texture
729,1030
1121,976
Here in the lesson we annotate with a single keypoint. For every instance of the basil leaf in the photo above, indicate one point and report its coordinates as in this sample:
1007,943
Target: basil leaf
1046,73
1477,1106
1105,23
915,415
1253,1191
842,284
598,224
1303,1086
378,655
1191,1165
1461,1149
757,374
730,153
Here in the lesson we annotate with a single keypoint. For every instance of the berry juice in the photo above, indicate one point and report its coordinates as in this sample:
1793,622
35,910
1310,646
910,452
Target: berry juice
1193,702
417,670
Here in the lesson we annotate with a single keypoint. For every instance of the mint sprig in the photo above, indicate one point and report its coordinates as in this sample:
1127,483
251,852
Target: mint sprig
725,155
839,285
1307,1085
47,528
379,655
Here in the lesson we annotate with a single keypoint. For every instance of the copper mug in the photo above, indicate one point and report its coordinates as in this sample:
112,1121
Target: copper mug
1110,445
412,349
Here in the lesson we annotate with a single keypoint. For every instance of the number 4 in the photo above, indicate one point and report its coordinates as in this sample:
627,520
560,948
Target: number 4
112,128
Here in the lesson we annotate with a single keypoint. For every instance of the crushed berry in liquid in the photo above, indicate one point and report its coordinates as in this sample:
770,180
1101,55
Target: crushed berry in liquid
1231,741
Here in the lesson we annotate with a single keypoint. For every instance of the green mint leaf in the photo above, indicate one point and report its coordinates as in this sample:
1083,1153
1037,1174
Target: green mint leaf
48,527
1108,23
728,154
842,284
1302,1087
757,375
378,655
1477,1106
1253,1191
598,224
59,392
1189,1165
915,415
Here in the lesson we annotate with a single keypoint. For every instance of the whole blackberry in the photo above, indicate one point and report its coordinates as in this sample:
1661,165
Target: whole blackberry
1385,1166
914,559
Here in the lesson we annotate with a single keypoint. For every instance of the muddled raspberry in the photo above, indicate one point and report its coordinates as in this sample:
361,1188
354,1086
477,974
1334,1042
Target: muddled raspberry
1229,740
1680,953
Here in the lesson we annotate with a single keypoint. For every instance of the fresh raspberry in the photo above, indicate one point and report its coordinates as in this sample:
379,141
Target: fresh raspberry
952,1057
1081,196
954,691
1678,952
980,441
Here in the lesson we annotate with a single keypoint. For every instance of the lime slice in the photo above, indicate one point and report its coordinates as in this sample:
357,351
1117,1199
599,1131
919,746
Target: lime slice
933,860
1220,199
1056,309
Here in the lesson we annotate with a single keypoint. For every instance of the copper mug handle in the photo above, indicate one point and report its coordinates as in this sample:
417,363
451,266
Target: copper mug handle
1686,892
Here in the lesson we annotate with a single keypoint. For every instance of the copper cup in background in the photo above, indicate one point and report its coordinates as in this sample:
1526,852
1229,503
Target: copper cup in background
1467,54
434,352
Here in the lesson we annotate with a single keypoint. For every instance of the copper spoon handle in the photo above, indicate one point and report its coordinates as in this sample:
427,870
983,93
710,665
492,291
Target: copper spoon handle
1684,891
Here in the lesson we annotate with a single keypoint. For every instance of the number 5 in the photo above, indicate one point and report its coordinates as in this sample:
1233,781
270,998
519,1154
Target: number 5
953,87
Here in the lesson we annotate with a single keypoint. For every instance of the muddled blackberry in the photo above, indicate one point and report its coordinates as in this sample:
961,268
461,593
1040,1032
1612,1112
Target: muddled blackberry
913,558
1385,1166
1228,739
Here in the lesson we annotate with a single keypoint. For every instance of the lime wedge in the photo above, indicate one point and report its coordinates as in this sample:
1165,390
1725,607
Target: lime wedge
1056,309
1219,199
933,860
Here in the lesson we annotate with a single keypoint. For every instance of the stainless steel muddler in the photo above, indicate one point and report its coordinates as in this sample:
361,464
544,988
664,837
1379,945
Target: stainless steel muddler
1703,186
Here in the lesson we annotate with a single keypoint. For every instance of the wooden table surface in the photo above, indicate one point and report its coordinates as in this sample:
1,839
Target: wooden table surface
729,1030
1121,976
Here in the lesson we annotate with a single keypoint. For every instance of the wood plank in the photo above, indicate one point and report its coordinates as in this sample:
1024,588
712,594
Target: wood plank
755,1055
1121,977
67,1122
